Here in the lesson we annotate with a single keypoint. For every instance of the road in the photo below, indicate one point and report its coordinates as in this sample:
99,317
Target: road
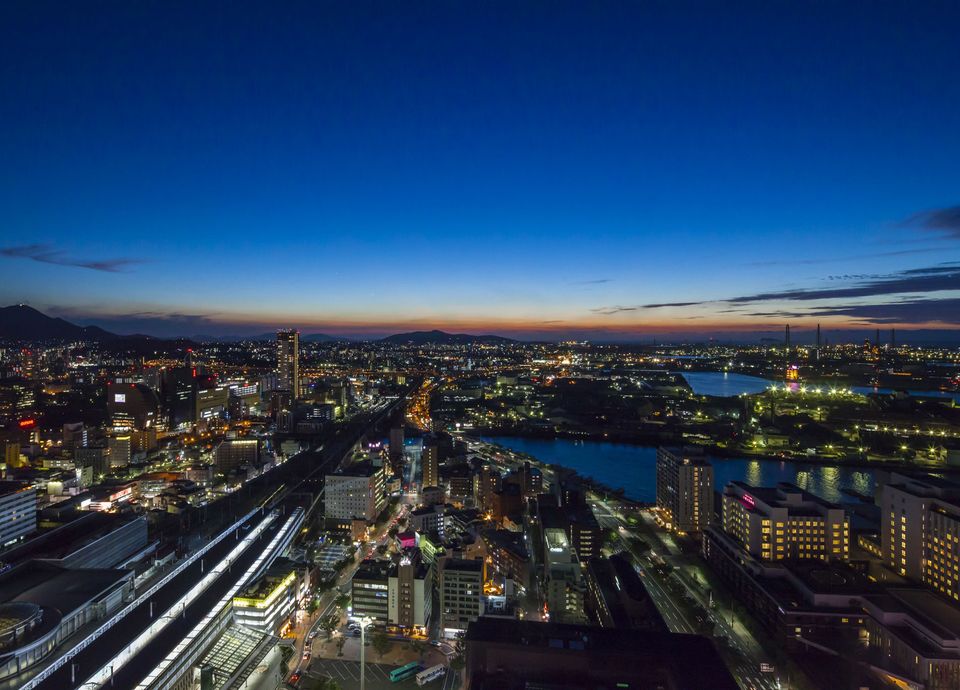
747,654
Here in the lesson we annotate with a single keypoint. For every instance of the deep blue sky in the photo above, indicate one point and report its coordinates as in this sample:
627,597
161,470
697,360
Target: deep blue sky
521,168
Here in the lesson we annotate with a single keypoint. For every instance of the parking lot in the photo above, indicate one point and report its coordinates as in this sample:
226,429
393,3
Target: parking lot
347,674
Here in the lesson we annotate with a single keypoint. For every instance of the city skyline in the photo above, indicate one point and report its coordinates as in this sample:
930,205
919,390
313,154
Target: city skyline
613,173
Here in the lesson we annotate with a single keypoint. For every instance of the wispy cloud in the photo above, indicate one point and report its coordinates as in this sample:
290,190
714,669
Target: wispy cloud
46,254
945,220
841,259
616,309
598,281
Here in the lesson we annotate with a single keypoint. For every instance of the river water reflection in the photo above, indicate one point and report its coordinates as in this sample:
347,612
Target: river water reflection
634,468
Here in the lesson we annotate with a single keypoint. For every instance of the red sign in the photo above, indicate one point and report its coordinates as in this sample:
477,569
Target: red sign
748,501
28,423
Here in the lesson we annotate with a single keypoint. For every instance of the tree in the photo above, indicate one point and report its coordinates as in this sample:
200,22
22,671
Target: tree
458,661
418,648
342,601
329,623
393,532
380,643
313,683
340,642
312,605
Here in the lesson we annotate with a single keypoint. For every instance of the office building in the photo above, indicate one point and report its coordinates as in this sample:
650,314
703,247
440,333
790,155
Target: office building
288,362
236,452
120,449
684,490
461,589
370,591
18,511
355,493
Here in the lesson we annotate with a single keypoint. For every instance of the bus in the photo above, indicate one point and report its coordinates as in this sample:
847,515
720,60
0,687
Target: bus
432,673
404,672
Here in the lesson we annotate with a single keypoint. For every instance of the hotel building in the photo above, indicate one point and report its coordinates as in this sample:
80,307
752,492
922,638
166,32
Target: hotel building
783,522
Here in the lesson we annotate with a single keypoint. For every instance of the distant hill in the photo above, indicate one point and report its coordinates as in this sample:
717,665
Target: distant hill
442,338
20,322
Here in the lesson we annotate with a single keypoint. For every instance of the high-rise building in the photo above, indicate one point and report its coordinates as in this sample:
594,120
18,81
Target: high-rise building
288,362
920,530
773,524
461,589
430,466
411,593
684,490
355,493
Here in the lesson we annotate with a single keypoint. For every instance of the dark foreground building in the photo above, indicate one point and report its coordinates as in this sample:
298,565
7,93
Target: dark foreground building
504,654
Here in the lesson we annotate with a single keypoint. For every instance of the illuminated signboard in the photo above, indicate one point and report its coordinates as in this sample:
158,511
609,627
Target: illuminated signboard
748,501
119,397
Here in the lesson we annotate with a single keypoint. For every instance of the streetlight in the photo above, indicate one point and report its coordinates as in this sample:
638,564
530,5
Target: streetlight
364,622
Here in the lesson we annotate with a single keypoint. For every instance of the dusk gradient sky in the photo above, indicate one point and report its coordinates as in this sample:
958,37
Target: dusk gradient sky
616,170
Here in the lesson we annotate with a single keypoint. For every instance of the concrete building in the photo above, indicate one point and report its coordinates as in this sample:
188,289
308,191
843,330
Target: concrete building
684,490
563,579
268,604
236,452
785,522
920,530
355,493
18,512
120,450
288,362
410,595
430,466
370,591
461,589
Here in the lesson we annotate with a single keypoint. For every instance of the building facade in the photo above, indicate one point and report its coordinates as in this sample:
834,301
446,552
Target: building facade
288,362
684,490
785,522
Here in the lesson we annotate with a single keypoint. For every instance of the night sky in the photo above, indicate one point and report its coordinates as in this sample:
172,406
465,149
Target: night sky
616,170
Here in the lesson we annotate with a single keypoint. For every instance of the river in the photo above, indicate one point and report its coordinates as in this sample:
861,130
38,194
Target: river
633,468
726,384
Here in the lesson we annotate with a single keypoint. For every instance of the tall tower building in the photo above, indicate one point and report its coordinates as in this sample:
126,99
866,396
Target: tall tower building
430,466
288,362
684,490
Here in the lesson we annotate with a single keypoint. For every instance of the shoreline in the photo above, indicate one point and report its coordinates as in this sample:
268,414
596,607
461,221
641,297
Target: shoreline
654,441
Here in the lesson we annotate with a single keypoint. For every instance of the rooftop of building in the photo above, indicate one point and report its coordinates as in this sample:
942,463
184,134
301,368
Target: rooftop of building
463,565
646,653
364,468
11,487
373,570
931,611
506,539
785,495
51,586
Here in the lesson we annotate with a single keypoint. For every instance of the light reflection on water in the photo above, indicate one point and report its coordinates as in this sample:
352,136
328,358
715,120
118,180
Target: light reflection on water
634,468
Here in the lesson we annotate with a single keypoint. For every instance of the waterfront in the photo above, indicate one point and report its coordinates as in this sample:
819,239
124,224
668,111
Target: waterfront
726,384
633,467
